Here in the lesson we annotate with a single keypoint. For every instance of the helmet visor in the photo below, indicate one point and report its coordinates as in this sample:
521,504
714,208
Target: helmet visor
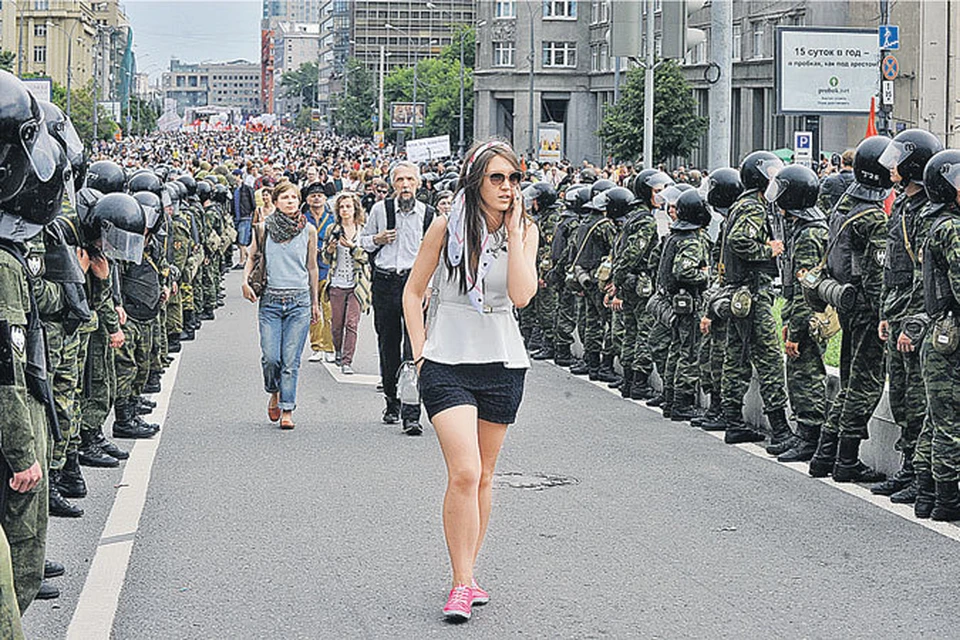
775,189
72,142
122,245
658,179
770,167
151,213
40,147
668,196
69,189
951,173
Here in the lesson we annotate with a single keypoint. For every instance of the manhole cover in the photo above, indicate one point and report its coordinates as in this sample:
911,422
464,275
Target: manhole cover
532,481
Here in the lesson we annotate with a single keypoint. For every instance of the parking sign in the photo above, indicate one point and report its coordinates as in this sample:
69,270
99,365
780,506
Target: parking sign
802,146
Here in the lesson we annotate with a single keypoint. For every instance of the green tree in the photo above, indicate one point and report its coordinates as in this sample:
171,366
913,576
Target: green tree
354,107
302,84
439,87
7,58
677,127
143,116
81,106
304,120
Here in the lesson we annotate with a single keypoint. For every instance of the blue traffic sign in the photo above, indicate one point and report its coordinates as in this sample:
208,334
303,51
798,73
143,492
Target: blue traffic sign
889,35
803,141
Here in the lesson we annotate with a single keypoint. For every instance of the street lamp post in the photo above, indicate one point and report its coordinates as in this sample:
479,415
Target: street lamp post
416,64
69,57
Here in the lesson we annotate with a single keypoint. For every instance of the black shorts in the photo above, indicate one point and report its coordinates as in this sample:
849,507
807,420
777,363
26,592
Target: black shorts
492,388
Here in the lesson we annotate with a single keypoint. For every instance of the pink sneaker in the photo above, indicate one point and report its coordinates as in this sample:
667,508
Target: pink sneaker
458,604
479,595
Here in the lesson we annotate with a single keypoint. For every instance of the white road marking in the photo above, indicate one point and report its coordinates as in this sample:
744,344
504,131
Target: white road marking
905,511
356,378
97,606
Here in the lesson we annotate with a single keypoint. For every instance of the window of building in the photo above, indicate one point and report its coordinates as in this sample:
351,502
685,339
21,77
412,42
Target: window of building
41,5
505,9
595,11
503,54
737,41
595,56
40,30
40,54
560,54
758,39
560,9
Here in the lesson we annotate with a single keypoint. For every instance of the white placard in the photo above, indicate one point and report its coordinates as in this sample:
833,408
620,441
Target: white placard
41,88
888,92
426,149
826,71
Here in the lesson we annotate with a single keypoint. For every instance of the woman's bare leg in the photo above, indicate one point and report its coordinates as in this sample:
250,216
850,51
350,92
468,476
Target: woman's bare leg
490,439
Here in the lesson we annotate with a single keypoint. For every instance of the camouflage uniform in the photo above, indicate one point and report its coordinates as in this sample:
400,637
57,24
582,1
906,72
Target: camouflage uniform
181,242
546,300
10,626
658,339
748,261
566,315
99,379
631,275
593,247
862,368
806,374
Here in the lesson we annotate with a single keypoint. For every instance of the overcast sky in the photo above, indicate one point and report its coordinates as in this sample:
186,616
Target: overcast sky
194,31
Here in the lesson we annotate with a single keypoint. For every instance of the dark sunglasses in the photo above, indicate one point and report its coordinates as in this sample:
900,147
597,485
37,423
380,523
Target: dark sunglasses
496,179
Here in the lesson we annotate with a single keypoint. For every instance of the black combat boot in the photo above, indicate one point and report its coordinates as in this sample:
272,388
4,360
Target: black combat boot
667,405
47,592
900,480
562,356
737,431
125,423
640,388
849,468
946,505
138,419
781,437
153,383
143,409
173,343
208,314
188,333
146,403
606,372
52,569
546,352
711,414
90,454
626,383
593,365
580,367
684,408
801,451
907,495
59,506
825,456
71,484
926,495
108,447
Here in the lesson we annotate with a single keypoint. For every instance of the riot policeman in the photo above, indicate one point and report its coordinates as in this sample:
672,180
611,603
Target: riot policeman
564,241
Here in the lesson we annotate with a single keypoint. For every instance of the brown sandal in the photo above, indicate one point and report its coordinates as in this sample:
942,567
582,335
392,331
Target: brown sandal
287,422
273,408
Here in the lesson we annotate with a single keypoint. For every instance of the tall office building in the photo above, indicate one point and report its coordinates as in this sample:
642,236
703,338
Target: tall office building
272,64
225,84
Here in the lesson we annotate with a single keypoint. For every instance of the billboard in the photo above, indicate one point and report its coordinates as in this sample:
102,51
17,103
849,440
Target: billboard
426,149
401,114
824,71
550,142
41,88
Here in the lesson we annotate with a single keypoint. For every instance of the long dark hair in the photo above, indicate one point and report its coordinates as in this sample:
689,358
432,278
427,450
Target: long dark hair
471,178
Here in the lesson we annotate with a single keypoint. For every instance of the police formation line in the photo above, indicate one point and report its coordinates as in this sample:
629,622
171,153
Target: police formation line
697,306
102,275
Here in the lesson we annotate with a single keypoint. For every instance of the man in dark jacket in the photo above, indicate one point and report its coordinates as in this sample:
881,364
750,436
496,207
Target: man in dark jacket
244,204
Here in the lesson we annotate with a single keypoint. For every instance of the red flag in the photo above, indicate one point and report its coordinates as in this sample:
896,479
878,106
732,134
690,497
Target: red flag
872,119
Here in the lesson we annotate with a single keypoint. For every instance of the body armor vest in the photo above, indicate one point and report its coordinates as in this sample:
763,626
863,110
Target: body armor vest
843,260
738,271
666,281
589,244
937,296
901,233
141,290
566,229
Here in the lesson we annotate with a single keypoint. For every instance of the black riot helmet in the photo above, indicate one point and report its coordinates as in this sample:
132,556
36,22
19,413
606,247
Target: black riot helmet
106,177
794,189
669,196
597,204
188,181
61,128
87,233
26,146
909,152
576,197
120,220
204,190
152,208
758,168
37,202
648,182
542,193
588,176
619,202
867,169
145,180
941,177
181,190
600,186
692,211
220,194
723,187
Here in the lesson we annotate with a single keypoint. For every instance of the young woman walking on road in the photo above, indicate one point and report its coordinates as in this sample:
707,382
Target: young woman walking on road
470,354
289,303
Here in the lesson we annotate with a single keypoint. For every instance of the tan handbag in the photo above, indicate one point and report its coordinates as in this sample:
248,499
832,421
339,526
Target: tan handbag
257,280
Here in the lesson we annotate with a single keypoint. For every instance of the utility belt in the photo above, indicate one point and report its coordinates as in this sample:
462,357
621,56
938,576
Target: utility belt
390,274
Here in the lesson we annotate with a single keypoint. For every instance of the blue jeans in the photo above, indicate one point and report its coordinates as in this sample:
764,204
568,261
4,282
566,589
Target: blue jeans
284,324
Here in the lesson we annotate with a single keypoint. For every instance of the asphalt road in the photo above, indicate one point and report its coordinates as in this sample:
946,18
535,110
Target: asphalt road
608,522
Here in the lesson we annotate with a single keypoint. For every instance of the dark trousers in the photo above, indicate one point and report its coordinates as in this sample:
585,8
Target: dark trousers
391,335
